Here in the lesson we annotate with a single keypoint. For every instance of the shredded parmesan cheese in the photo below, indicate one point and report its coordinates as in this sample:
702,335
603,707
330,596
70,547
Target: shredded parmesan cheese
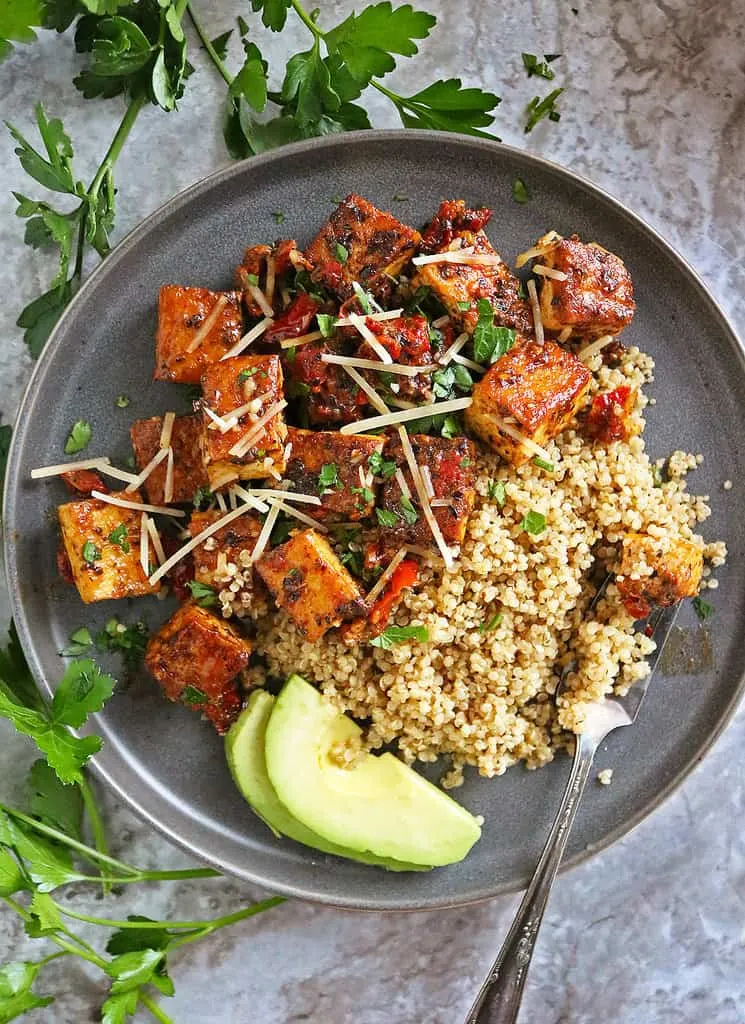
240,448
260,299
266,532
144,544
118,474
375,400
445,357
302,339
421,490
427,479
476,367
271,267
269,492
253,500
390,314
196,541
440,502
226,477
256,331
449,256
156,460
221,502
565,335
138,506
372,364
166,430
382,582
155,538
372,341
232,500
544,271
222,425
536,310
67,467
441,321
401,481
362,426
537,250
168,485
208,324
597,346
517,435
308,520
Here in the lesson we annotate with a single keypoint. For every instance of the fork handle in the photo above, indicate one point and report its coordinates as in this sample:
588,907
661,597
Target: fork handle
498,1001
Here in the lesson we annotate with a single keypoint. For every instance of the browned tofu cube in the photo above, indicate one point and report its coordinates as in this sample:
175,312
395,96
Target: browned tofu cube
335,468
189,473
224,559
242,391
360,243
657,570
196,327
306,578
536,389
458,284
102,543
450,465
196,657
595,296
407,340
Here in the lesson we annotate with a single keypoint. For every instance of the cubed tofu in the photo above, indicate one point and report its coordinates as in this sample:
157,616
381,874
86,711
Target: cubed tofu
657,570
183,315
535,388
189,473
326,394
451,465
360,243
596,297
407,340
456,284
252,385
307,579
253,270
224,558
195,657
104,569
348,494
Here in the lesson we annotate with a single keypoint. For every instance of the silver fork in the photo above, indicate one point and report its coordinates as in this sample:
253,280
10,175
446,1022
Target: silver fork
499,998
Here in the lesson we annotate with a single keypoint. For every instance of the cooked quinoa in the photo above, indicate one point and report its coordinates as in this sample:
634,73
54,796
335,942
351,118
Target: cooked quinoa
485,697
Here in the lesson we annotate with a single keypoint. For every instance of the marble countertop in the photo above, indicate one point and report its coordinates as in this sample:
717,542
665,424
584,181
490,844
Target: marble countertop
651,931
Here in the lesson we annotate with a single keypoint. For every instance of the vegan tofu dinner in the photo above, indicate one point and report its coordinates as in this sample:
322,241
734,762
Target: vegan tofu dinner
405,470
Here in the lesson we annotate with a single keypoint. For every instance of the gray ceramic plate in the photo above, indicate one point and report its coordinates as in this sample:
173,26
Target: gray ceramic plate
165,762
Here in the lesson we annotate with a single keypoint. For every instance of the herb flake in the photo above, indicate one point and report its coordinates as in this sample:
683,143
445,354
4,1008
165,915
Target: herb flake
79,437
393,635
533,522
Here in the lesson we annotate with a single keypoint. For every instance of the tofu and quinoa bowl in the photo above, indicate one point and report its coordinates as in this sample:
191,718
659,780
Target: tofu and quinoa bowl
405,468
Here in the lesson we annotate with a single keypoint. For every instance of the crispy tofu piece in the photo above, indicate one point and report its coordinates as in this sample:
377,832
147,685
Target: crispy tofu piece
455,284
451,464
536,388
224,558
360,243
597,296
189,473
195,657
407,339
350,494
231,385
307,579
286,257
658,571
182,314
104,569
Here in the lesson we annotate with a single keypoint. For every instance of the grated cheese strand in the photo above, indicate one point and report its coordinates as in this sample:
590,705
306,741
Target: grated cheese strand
196,541
463,361
371,364
271,277
441,502
302,339
138,506
118,474
538,250
566,333
535,307
156,460
208,324
226,477
221,502
362,426
240,448
389,314
144,544
449,256
401,481
421,490
382,581
441,321
260,299
445,357
168,485
67,467
544,271
222,425
256,331
266,531
597,346
252,499
375,400
523,439
359,322
232,499
270,492
308,520
152,529
169,419
427,479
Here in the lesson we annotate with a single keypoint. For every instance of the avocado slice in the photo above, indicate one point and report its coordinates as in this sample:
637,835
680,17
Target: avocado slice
244,747
378,805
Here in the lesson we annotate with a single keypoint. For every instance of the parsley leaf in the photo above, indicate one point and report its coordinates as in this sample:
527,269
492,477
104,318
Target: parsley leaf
381,467
328,478
543,464
78,438
702,608
385,517
11,880
410,514
490,342
202,497
47,864
16,979
122,401
326,324
497,491
80,641
54,803
533,522
541,68
447,106
131,641
90,552
118,536
204,595
273,12
539,108
393,635
342,253
366,42
193,695
520,191
452,427
491,624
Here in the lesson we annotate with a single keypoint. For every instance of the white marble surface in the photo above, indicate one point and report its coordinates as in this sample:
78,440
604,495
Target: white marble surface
650,932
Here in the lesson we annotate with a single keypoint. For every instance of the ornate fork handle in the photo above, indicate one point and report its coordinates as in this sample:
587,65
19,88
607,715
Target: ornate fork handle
498,1001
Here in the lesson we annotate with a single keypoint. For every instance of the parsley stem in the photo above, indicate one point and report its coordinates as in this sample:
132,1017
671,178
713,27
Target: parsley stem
306,19
153,1007
228,919
205,41
120,137
218,922
97,827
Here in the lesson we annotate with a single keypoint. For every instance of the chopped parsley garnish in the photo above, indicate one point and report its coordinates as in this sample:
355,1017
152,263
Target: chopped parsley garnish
328,478
539,108
362,297
78,438
465,463
90,552
400,198
202,496
491,625
490,342
367,494
204,595
385,517
464,306
248,372
657,478
336,199
79,643
380,466
497,492
542,464
119,537
252,279
520,191
193,695
451,427
130,640
410,514
533,522
326,324
279,217
399,634
541,68
444,381
702,608
122,401
342,253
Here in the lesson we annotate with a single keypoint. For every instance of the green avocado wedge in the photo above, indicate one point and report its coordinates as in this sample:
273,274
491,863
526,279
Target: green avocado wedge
244,747
378,805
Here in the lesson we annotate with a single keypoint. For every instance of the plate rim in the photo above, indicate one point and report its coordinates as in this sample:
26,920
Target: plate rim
107,266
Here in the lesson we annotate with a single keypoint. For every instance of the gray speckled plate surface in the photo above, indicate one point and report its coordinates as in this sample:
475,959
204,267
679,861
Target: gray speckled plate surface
165,762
